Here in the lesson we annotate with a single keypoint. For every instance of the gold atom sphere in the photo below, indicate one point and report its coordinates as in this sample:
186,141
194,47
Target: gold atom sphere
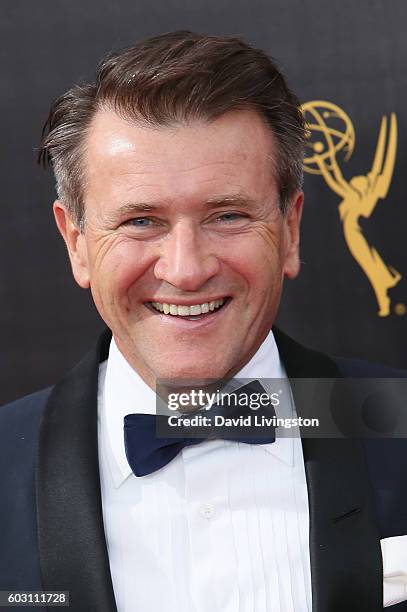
328,130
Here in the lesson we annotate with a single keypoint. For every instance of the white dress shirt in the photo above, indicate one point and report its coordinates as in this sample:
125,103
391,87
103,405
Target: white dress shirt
223,527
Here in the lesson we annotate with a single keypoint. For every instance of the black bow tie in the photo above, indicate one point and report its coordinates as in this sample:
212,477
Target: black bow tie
147,453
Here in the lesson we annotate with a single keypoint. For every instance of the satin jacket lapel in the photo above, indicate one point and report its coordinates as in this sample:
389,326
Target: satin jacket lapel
346,562
72,545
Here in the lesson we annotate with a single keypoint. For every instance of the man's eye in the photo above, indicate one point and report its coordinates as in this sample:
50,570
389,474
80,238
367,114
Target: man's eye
140,222
229,217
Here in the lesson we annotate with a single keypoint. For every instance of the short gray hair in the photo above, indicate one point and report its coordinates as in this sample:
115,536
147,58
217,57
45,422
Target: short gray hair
171,78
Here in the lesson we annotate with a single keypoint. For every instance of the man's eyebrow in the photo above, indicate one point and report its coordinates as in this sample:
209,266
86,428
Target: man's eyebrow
131,208
236,200
138,207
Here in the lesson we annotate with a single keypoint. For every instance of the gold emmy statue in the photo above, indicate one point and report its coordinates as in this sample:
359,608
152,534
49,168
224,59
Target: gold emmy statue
330,131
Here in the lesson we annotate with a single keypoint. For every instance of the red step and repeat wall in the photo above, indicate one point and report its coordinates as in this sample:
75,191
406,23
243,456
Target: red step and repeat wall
347,63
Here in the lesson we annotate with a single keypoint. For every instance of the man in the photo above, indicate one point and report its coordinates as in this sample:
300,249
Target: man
179,178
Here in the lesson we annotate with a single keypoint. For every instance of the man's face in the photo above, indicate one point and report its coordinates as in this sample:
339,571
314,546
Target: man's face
184,218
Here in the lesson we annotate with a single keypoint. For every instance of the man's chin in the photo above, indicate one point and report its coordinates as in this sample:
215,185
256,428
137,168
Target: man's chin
190,375
191,371
169,360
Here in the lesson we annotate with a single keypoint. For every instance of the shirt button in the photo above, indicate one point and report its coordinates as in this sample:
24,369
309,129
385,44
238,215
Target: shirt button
207,511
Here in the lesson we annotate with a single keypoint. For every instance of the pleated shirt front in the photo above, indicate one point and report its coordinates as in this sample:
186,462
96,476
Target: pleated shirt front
223,527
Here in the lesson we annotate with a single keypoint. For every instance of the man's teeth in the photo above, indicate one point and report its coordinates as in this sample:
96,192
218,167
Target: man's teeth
186,311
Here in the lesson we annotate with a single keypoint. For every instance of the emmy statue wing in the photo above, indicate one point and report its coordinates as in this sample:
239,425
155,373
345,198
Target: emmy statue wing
381,174
378,158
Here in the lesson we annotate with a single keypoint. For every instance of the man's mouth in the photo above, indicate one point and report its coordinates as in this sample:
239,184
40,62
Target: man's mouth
192,311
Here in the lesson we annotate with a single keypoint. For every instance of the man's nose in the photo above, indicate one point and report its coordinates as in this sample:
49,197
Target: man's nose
186,260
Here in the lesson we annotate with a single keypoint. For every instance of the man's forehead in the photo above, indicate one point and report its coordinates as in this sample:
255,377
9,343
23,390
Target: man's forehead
237,131
128,161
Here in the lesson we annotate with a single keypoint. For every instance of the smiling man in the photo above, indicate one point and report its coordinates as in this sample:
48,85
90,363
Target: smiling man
179,175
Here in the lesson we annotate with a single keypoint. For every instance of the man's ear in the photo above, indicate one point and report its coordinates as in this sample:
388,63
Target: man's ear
75,242
292,220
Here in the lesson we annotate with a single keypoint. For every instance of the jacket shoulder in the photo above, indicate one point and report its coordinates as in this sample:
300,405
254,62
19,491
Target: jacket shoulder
356,368
19,427
25,409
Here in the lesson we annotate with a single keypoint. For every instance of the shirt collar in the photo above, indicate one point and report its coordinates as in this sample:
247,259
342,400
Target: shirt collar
266,365
125,392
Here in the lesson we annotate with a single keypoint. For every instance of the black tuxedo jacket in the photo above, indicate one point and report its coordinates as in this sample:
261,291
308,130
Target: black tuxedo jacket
52,535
